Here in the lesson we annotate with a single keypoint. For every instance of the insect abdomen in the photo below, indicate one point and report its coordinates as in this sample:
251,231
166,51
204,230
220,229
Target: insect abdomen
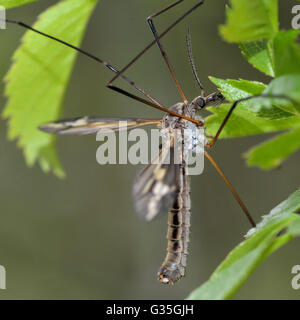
173,267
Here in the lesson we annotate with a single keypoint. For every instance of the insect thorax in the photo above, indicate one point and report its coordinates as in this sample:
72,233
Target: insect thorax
186,131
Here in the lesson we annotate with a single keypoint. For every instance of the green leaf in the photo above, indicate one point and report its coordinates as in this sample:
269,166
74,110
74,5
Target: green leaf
272,153
251,20
294,228
244,123
287,52
247,256
284,210
287,85
14,3
291,205
260,55
38,78
260,115
237,89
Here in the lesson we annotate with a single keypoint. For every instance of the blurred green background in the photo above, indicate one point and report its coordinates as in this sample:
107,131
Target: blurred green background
79,238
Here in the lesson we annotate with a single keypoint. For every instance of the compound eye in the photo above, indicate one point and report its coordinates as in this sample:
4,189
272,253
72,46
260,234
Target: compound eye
200,102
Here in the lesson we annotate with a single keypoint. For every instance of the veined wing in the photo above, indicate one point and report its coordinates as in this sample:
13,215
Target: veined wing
91,125
154,190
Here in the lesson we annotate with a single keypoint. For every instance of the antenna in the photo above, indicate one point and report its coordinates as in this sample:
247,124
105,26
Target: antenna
192,63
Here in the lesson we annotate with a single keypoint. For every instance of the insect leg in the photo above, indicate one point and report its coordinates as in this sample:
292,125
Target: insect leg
159,107
91,56
162,50
158,38
238,199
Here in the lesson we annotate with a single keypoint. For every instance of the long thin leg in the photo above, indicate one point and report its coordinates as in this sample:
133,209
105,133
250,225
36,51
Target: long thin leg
106,64
162,50
130,95
214,140
158,38
154,103
238,199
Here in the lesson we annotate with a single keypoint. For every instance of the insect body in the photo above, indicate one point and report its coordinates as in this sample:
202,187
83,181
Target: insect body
162,188
173,267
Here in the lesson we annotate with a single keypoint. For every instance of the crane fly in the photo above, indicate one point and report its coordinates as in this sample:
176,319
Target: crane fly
159,187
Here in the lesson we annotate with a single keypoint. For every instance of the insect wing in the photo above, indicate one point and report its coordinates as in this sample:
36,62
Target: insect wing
154,190
92,125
